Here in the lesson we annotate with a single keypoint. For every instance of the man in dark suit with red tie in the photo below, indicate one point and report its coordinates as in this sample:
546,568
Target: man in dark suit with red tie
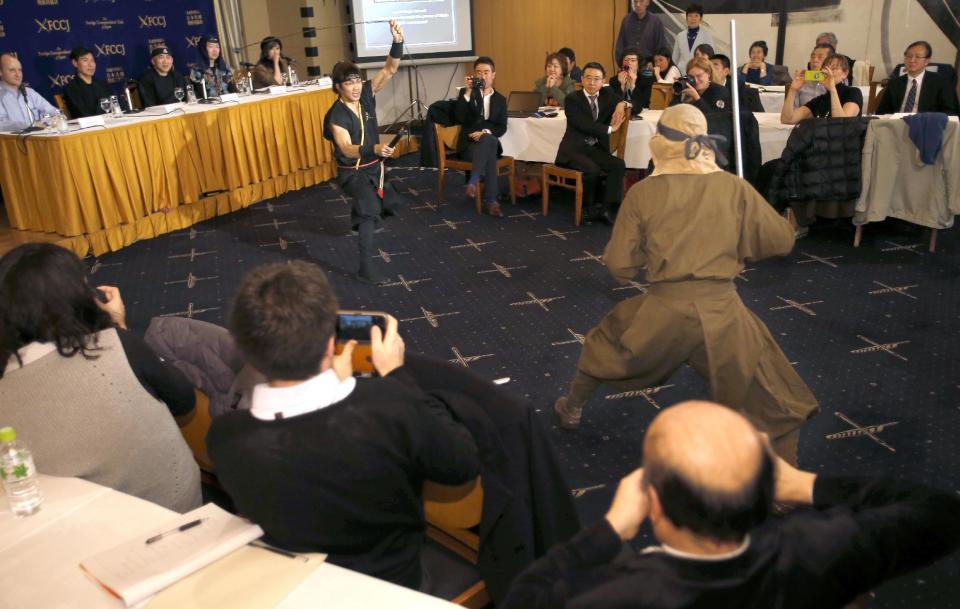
919,90
592,115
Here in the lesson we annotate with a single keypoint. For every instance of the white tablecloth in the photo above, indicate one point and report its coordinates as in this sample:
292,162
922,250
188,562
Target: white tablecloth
773,100
537,139
40,555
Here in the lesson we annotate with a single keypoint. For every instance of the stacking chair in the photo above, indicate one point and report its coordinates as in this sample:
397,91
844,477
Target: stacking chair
61,104
572,179
446,138
453,520
660,96
194,431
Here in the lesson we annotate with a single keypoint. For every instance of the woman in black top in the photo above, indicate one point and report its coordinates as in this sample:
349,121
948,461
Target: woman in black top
839,100
706,95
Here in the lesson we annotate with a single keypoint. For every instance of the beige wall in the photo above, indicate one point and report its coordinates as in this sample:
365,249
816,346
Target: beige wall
281,18
520,44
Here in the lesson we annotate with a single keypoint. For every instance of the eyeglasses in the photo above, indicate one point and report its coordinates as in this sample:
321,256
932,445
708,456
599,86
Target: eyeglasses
912,56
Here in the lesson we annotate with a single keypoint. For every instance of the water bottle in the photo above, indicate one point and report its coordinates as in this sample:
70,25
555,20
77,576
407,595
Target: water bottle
191,94
61,123
115,107
19,475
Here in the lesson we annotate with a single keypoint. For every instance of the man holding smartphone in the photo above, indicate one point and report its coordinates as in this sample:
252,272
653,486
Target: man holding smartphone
351,124
324,462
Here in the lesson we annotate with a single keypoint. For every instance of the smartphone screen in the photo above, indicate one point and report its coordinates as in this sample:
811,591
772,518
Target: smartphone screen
356,326
813,75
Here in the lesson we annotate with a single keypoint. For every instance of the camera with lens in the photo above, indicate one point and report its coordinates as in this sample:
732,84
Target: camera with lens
478,83
681,83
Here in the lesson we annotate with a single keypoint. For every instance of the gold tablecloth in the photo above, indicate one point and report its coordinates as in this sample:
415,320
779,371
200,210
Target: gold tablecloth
103,189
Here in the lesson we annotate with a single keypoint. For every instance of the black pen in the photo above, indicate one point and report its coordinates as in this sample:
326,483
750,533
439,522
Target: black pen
264,546
182,527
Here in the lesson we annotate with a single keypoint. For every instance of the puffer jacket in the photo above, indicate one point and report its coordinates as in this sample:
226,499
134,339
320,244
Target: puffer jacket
821,161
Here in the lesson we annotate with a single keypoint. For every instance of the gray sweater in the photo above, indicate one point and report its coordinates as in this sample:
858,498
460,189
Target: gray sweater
92,419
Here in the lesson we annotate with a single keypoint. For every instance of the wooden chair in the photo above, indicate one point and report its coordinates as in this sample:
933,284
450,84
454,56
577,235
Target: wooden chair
453,517
446,138
572,179
877,90
61,104
194,428
660,96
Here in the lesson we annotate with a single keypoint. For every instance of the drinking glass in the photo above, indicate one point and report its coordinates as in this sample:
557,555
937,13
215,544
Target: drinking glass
178,93
105,104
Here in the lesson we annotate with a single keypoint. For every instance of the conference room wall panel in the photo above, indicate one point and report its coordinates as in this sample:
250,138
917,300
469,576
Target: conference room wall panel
518,35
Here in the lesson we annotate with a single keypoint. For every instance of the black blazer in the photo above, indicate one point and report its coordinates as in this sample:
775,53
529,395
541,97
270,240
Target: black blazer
469,114
580,123
639,97
936,95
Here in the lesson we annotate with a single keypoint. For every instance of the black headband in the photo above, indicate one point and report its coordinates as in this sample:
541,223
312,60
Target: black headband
348,76
695,143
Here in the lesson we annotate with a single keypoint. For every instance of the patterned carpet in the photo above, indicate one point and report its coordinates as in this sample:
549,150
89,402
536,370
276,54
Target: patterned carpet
873,330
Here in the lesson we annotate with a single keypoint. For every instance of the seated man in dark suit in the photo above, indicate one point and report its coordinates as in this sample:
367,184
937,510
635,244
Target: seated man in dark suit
592,115
321,461
159,83
83,94
918,90
707,487
482,114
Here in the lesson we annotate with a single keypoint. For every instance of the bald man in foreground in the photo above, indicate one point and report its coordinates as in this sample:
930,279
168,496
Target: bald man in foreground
707,487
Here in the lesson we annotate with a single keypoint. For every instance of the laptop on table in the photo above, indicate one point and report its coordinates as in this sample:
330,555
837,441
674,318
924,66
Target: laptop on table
523,104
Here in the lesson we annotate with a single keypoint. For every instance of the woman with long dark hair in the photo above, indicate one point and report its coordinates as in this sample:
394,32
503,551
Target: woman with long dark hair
88,396
272,66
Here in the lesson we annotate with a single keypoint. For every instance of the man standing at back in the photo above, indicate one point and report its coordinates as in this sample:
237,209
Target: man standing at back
640,30
321,461
918,90
592,115
707,487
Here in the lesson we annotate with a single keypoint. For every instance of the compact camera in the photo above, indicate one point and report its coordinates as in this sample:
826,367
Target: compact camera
681,83
478,83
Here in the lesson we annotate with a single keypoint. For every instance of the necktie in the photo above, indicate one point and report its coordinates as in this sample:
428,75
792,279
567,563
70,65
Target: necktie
908,106
593,106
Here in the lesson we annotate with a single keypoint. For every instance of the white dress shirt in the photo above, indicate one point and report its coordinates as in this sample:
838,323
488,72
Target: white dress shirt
906,92
270,403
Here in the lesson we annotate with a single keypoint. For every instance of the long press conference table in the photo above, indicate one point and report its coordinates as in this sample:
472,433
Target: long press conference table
142,176
537,139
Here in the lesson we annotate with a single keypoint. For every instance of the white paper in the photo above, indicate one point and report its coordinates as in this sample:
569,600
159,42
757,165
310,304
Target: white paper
135,570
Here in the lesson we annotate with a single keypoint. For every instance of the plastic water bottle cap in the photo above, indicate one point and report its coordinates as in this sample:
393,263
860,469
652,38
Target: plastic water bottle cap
8,434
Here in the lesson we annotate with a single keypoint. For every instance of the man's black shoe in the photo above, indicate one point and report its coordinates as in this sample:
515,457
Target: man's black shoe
354,232
608,217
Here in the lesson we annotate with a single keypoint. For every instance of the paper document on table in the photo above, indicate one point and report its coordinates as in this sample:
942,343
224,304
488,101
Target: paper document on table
250,578
135,569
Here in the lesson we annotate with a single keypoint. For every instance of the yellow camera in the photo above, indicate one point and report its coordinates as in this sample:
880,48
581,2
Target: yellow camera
814,75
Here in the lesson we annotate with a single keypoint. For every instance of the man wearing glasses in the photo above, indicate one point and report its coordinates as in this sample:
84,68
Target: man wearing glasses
592,115
918,90
351,124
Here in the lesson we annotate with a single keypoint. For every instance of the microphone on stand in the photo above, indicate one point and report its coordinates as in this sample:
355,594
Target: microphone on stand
23,92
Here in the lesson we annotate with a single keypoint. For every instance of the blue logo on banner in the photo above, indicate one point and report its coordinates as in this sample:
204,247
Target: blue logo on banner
120,34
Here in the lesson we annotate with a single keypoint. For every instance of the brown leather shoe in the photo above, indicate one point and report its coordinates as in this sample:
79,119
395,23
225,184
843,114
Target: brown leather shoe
494,210
569,417
471,191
